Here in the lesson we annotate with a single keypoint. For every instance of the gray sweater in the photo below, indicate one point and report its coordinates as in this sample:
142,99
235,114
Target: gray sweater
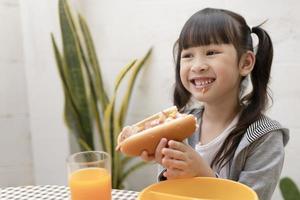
259,157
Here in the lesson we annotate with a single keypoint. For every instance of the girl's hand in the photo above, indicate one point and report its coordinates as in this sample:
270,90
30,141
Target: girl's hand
158,152
182,161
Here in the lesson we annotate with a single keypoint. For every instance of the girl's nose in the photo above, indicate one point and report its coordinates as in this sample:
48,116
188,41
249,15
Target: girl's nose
199,66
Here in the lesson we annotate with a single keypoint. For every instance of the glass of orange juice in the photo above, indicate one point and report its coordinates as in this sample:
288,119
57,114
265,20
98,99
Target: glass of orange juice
89,175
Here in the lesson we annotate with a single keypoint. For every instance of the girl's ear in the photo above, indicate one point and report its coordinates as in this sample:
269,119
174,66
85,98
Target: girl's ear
247,62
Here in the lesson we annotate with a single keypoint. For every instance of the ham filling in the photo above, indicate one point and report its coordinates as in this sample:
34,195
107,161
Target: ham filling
163,118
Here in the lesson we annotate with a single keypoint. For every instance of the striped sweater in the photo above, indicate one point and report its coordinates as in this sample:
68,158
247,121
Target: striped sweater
259,157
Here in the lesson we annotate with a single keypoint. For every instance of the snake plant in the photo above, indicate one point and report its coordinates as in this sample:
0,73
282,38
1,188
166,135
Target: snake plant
88,108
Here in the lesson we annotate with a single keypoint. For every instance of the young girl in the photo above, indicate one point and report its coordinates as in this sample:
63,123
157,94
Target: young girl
214,60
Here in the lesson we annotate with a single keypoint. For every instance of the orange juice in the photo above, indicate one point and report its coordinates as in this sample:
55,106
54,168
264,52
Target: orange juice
90,184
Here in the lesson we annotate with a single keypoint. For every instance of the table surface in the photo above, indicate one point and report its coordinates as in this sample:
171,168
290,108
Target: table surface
53,192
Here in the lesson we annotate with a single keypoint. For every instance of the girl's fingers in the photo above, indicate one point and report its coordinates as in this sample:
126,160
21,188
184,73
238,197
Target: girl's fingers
168,162
158,152
175,154
163,143
177,145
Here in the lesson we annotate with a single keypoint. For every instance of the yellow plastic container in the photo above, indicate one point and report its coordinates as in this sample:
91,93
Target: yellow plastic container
200,188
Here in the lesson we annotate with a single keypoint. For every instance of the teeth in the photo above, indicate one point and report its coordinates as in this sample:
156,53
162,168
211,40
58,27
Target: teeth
201,83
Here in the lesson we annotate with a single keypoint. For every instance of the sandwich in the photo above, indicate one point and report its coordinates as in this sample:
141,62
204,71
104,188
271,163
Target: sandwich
146,134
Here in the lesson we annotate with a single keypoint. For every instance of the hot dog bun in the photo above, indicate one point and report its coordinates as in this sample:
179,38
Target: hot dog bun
133,140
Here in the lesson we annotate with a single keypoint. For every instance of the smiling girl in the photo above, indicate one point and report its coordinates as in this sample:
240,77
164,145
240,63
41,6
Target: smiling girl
235,140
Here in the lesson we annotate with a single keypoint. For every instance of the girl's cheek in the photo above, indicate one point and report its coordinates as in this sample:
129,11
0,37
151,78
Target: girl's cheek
184,69
185,66
183,76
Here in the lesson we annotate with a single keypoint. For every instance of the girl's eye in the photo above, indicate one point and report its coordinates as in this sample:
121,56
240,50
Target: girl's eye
187,55
211,53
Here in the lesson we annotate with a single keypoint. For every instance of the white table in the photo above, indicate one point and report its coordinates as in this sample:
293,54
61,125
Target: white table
53,192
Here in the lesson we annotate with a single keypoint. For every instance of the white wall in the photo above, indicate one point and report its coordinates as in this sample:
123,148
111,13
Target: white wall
15,143
48,132
124,30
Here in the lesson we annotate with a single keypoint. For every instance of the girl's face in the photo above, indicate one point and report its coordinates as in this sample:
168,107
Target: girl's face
210,73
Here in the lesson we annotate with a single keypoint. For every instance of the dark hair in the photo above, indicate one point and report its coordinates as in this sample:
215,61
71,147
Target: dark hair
218,26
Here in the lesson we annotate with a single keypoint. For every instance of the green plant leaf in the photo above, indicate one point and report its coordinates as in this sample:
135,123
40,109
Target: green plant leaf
101,93
95,80
122,74
114,128
118,81
119,121
126,98
109,111
91,77
71,115
73,72
289,189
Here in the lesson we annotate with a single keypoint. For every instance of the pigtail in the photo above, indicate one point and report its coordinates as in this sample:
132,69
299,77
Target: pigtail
255,102
261,72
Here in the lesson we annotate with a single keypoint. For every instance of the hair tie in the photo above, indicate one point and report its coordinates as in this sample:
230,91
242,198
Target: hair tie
254,38
250,28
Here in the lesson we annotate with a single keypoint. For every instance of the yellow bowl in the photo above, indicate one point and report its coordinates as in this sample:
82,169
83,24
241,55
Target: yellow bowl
200,188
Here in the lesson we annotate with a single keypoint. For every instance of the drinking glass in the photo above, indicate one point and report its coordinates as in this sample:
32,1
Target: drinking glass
89,175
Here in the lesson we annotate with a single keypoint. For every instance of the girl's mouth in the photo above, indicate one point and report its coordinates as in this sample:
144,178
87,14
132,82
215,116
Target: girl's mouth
201,83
